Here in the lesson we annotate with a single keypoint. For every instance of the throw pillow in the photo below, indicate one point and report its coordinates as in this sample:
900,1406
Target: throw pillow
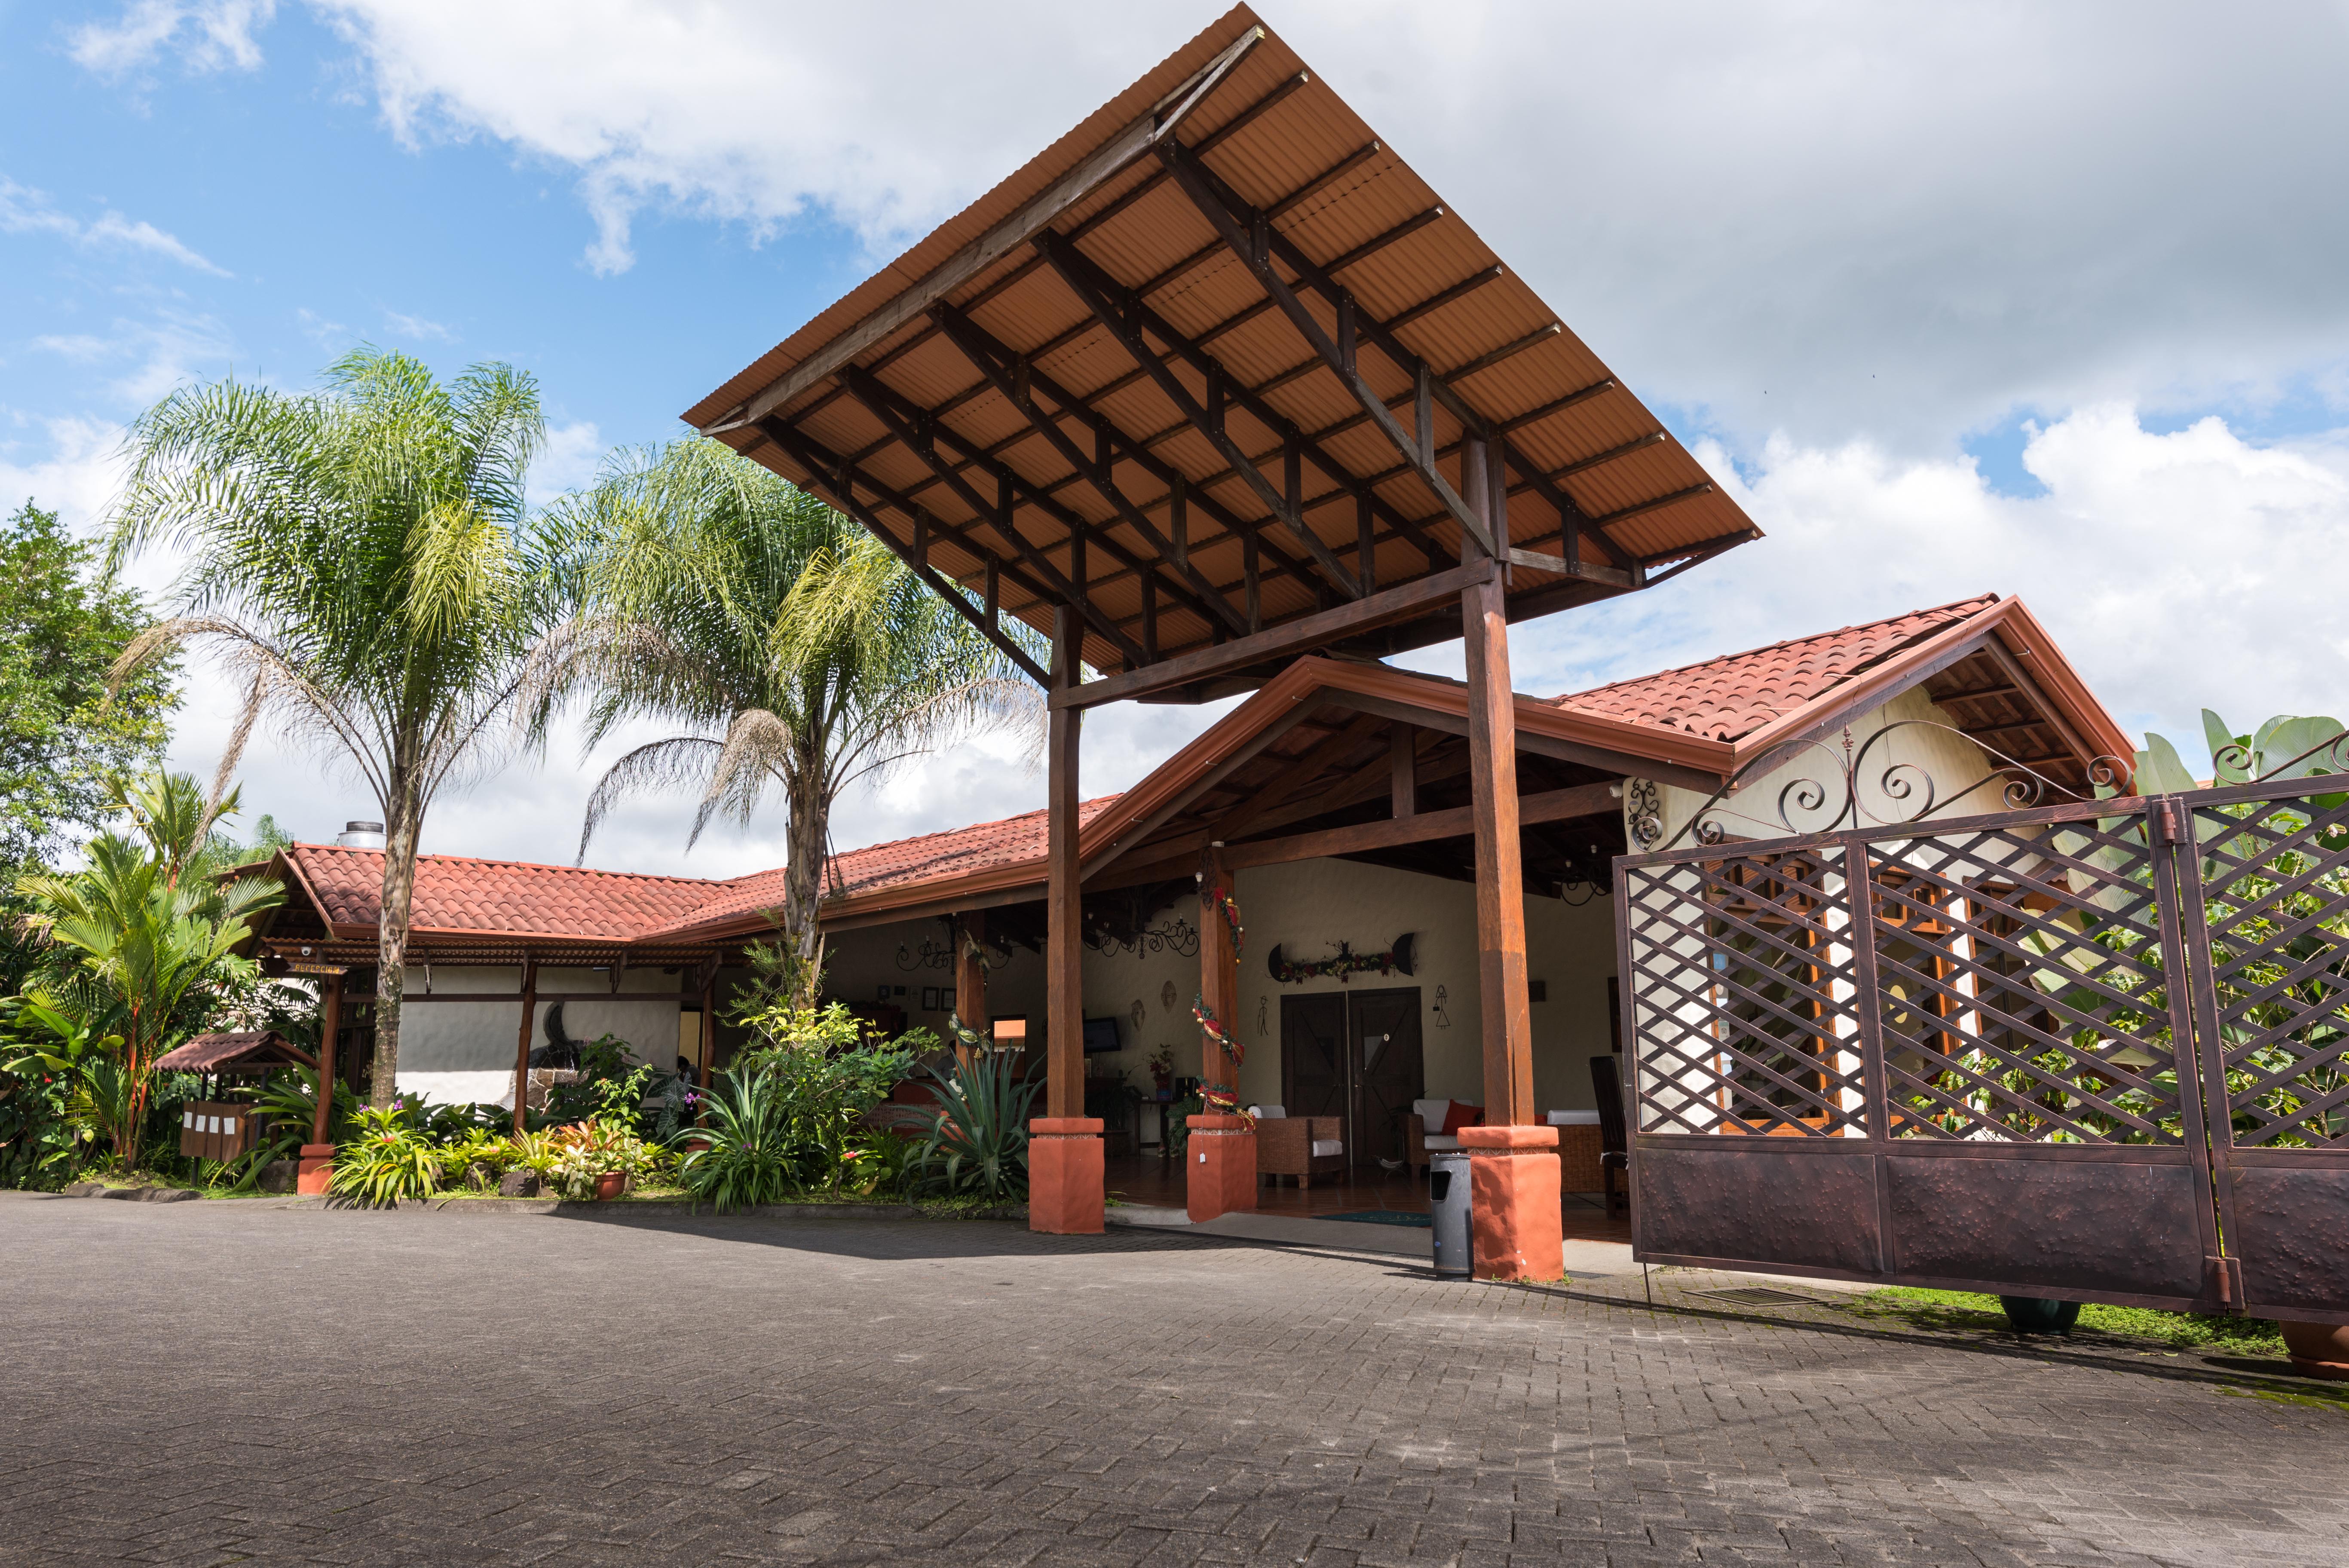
1457,1116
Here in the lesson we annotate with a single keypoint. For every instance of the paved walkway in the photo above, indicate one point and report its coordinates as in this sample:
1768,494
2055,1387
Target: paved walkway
208,1382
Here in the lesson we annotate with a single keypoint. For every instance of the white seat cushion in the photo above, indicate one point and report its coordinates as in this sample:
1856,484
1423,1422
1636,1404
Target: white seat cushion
1325,1146
1442,1143
1269,1113
1574,1119
1431,1111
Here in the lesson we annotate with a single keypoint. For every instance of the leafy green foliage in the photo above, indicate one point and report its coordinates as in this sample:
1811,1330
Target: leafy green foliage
1963,1312
364,558
975,1139
791,649
61,627
742,1155
385,1158
288,1110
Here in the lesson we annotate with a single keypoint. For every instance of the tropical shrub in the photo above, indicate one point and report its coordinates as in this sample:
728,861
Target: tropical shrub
80,1065
387,1158
288,1110
39,1137
742,1154
587,1153
975,1139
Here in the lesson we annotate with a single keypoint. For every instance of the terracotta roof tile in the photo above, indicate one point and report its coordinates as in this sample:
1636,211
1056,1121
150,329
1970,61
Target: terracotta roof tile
1731,696
458,892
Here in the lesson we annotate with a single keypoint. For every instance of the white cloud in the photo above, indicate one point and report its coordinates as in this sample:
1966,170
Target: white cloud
1822,218
573,453
326,333
2177,570
158,354
416,328
206,34
76,476
24,211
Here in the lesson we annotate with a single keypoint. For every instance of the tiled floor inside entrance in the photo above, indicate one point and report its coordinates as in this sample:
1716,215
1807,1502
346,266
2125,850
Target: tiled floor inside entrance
1147,1180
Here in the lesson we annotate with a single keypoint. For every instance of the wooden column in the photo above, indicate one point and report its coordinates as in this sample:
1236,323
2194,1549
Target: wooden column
1219,976
971,976
708,1027
330,1019
1508,1018
522,1040
1402,757
1064,949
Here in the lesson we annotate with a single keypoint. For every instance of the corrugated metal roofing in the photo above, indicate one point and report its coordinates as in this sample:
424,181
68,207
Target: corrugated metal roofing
1287,144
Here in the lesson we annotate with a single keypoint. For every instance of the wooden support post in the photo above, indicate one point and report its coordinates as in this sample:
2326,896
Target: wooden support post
330,1020
1513,1164
708,1027
1219,973
970,978
1064,993
522,1040
1493,782
1403,752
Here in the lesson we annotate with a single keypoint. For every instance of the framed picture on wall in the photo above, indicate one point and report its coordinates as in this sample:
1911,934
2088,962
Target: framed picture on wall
930,1002
883,997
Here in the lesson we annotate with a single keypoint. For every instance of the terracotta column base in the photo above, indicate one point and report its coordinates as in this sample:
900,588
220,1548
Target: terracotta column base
1512,1184
317,1165
1064,1175
1220,1167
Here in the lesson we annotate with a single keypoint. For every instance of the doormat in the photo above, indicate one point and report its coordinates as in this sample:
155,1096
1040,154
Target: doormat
1382,1217
1761,1295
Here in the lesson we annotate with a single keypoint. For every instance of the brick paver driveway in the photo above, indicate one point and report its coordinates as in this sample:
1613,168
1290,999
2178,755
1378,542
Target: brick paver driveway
223,1382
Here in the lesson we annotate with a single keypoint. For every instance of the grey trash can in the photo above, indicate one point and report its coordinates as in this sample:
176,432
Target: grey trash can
1447,1183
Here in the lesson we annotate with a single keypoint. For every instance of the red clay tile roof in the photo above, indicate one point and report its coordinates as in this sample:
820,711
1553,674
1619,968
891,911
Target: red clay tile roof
1731,696
458,892
930,856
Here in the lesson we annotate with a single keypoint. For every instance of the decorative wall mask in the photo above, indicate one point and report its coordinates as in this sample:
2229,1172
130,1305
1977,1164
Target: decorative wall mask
1138,1012
1167,996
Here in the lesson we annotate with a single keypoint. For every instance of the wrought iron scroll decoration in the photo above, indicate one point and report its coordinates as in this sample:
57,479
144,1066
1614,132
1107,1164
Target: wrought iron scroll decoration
1800,806
2233,762
1175,935
930,956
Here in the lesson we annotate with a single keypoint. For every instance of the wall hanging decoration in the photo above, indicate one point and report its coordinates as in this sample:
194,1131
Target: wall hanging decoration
1345,964
1175,935
1213,1028
1166,995
1138,1012
1263,1012
930,955
1442,1009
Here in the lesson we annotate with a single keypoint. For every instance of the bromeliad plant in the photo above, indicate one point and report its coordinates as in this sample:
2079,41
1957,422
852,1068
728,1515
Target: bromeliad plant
387,1158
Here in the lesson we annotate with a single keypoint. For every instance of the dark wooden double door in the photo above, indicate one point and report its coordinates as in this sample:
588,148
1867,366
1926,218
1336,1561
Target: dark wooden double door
1354,1055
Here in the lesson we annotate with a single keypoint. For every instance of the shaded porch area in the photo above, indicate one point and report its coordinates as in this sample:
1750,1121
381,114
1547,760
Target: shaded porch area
1148,1182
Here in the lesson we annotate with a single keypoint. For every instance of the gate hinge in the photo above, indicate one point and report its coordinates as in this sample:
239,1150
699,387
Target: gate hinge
2169,823
2222,1281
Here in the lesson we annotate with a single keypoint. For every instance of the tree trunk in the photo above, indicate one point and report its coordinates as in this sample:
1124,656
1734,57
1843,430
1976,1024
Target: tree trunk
803,884
391,942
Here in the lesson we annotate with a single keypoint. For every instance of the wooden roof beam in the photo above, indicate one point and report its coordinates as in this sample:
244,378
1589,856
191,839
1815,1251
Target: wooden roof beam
995,361
1246,233
1087,282
841,493
1091,282
880,402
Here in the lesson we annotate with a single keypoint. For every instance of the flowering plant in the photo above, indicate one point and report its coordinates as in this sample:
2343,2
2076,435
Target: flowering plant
585,1154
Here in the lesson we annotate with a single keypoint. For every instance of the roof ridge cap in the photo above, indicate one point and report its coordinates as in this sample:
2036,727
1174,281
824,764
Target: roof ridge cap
525,865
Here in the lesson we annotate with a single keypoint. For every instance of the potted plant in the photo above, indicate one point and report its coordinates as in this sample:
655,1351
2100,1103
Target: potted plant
2318,1349
1162,1071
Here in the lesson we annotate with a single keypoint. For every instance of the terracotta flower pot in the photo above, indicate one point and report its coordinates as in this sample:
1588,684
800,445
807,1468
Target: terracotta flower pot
2318,1349
611,1185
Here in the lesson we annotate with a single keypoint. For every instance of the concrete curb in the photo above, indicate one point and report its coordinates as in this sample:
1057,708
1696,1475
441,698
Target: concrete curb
661,1208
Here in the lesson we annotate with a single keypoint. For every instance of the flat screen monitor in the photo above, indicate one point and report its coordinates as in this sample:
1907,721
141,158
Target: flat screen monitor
1101,1034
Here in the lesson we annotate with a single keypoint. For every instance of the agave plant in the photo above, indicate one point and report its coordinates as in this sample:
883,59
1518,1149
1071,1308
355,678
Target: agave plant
975,1139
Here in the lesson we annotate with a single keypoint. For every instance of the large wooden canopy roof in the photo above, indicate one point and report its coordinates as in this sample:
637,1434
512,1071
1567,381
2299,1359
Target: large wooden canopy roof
1212,372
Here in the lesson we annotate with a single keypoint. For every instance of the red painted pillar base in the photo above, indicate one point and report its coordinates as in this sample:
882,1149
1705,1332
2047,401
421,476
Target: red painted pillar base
1064,1175
1220,1167
317,1165
1513,1176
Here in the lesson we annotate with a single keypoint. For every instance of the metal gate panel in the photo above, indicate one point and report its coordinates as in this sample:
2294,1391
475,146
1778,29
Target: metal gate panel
2266,879
1944,1054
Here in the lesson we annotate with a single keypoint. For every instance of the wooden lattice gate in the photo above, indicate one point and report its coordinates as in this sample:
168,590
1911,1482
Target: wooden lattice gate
2094,1051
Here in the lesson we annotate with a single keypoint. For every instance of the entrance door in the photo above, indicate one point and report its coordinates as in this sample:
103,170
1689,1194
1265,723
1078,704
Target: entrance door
1388,1072
1354,1055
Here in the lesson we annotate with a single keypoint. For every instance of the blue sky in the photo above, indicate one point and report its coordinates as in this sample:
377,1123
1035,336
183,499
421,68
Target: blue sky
2040,300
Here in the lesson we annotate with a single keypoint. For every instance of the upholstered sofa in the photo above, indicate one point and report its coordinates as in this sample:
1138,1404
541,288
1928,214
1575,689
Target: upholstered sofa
1303,1147
1424,1133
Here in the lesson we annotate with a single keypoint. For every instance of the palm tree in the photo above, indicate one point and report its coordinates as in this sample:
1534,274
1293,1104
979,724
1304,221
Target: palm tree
151,924
362,557
797,653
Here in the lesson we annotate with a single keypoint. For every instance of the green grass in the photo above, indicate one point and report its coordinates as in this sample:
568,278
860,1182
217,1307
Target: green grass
1956,1311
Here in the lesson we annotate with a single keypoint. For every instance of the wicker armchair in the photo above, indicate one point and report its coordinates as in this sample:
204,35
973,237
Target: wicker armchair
1299,1146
